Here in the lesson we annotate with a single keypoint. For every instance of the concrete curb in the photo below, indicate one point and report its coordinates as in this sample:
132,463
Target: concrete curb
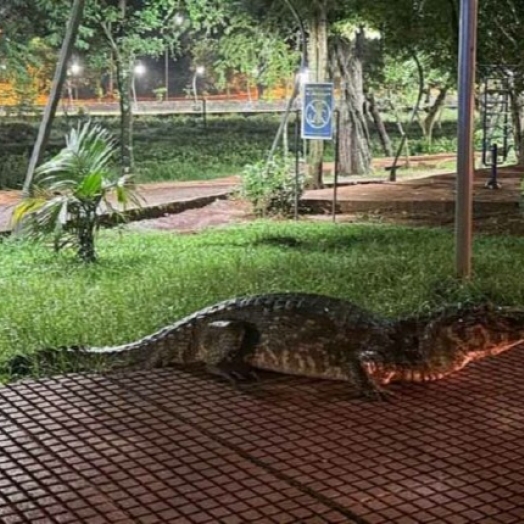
322,206
152,211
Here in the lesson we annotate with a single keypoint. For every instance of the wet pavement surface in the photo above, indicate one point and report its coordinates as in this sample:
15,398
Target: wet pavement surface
178,446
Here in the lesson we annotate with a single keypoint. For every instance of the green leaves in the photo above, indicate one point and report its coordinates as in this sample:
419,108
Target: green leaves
69,188
270,187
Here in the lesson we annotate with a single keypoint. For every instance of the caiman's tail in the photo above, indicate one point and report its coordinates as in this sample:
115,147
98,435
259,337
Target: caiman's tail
75,359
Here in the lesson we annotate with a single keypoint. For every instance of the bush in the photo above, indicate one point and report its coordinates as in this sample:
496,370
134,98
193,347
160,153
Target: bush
12,170
271,187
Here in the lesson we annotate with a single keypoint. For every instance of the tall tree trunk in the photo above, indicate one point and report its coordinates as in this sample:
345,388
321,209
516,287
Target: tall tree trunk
44,130
517,114
124,81
318,62
434,110
123,61
354,152
385,141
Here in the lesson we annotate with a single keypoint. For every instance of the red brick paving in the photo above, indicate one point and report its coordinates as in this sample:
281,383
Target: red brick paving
180,447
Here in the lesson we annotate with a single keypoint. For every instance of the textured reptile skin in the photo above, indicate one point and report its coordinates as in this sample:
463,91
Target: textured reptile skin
322,337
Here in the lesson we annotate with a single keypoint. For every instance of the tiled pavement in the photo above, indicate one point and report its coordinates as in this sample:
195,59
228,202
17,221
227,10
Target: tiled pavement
180,447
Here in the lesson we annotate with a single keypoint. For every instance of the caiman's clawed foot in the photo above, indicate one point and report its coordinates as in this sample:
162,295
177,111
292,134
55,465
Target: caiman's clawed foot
378,393
235,376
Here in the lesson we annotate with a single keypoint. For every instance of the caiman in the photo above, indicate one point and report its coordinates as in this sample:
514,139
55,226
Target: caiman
317,336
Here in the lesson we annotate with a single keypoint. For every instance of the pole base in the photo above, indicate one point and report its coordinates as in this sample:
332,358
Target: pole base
492,184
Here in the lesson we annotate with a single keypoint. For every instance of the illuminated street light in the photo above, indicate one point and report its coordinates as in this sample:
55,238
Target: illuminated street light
138,70
199,71
303,76
75,69
179,19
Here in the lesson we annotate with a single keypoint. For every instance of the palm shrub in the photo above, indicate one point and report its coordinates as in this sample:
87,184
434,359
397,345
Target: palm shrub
66,198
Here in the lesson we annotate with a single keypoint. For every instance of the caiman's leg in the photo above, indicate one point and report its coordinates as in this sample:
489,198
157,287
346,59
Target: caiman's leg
366,386
225,346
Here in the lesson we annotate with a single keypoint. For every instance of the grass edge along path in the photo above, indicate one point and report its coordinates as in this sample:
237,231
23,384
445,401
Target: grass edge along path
148,280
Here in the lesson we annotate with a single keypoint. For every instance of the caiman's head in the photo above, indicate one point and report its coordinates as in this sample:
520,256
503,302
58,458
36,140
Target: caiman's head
479,331
430,348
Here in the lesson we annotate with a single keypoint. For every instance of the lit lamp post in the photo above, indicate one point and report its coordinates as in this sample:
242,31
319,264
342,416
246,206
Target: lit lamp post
138,70
199,71
75,70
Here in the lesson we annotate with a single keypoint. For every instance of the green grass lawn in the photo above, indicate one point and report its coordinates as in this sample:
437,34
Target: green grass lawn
147,280
180,148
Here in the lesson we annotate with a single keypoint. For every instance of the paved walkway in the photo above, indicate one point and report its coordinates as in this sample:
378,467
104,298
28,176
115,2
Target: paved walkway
158,199
422,195
431,194
179,447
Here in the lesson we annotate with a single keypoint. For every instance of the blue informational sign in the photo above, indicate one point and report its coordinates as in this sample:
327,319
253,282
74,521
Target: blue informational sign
317,111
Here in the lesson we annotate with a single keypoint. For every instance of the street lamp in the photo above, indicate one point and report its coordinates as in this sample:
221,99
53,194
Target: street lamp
138,70
199,71
303,76
74,71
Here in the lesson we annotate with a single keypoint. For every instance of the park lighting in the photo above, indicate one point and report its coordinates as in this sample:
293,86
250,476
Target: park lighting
303,76
139,69
178,19
199,71
75,69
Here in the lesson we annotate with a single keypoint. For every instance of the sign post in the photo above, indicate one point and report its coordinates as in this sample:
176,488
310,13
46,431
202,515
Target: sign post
317,111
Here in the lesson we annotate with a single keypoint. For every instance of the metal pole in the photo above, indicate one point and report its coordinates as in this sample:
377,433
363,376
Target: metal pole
492,183
195,88
465,160
337,163
297,162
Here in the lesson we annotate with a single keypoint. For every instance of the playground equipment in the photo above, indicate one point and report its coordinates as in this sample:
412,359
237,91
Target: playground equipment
497,125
